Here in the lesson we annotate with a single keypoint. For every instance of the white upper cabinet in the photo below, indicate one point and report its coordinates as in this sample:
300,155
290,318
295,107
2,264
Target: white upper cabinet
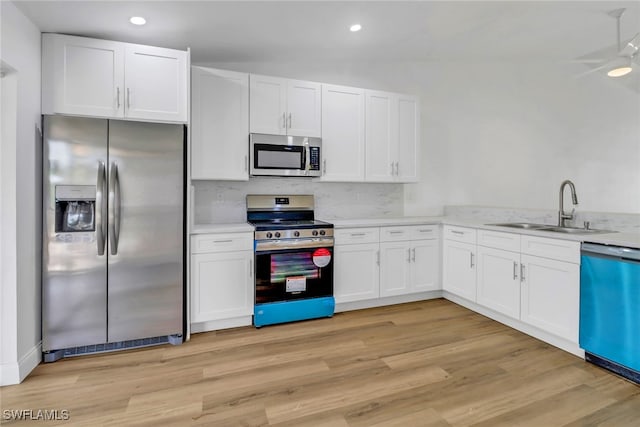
156,83
343,131
82,76
408,138
219,124
380,130
101,78
284,107
267,105
392,135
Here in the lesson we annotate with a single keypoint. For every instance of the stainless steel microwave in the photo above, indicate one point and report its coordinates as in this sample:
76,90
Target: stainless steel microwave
282,155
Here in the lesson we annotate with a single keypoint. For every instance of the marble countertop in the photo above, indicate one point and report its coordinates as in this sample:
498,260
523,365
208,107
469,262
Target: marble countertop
631,240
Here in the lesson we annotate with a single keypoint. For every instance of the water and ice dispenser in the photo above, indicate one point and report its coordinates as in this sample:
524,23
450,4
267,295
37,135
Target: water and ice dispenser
75,208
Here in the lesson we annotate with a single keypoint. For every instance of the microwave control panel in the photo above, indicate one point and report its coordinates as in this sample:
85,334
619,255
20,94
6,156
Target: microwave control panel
314,160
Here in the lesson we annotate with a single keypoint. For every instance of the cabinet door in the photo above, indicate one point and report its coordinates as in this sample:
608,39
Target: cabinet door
408,139
551,296
82,76
219,124
221,285
499,280
459,269
425,265
381,124
356,272
156,83
342,134
304,108
395,259
267,105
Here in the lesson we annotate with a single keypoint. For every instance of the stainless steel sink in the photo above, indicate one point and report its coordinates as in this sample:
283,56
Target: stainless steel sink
575,230
523,225
551,228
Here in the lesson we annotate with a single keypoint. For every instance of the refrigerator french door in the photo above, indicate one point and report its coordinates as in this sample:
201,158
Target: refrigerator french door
112,235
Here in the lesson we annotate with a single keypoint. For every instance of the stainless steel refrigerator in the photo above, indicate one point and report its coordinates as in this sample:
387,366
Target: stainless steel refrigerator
113,235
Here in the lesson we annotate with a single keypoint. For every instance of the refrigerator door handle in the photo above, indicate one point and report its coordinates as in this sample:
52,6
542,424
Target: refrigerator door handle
114,208
100,206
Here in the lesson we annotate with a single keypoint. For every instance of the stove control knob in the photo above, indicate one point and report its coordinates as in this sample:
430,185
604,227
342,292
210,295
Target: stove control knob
322,232
277,234
314,232
296,234
269,235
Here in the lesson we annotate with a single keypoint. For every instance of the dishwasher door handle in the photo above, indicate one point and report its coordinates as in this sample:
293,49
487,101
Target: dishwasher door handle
628,254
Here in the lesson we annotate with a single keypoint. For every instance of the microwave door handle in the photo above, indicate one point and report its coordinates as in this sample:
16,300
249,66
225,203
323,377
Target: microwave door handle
307,159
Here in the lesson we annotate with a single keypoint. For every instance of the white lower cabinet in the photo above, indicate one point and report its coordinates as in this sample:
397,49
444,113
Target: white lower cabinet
381,262
499,280
537,290
356,272
221,277
551,296
459,262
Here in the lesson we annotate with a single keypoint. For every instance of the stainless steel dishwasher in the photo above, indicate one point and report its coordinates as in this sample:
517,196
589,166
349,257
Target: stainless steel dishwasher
610,308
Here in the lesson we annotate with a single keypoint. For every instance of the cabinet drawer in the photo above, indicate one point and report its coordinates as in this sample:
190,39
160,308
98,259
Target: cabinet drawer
459,234
499,240
561,250
422,232
347,236
395,234
224,242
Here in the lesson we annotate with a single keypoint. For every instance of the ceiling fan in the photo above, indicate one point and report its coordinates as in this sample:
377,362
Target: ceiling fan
627,58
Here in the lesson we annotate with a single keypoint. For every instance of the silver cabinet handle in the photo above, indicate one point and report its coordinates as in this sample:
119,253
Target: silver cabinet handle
396,232
114,208
471,260
461,233
378,257
128,98
284,120
522,273
408,255
357,234
223,241
246,163
289,120
392,170
118,97
515,270
251,268
413,256
100,206
397,168
324,167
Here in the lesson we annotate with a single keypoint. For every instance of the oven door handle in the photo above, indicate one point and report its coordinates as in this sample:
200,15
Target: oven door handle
277,245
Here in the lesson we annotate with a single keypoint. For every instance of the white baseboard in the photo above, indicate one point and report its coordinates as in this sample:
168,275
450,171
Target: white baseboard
16,372
379,302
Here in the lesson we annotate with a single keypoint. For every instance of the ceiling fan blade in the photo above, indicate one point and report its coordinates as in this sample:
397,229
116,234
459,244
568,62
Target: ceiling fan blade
632,47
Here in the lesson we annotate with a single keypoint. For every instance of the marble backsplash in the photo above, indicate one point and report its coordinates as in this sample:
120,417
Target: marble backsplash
600,220
218,202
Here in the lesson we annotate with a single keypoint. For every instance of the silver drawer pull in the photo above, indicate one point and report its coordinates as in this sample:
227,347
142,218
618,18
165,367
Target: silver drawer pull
396,232
222,241
358,234
457,232
426,230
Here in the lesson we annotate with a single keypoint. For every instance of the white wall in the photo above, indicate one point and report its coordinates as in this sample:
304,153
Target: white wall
21,209
506,133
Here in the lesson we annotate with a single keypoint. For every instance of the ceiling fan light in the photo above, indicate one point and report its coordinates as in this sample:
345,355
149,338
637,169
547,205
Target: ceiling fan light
620,71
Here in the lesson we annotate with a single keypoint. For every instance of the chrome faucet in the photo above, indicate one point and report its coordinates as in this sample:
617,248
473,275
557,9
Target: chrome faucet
562,216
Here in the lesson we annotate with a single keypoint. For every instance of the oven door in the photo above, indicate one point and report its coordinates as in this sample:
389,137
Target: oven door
293,274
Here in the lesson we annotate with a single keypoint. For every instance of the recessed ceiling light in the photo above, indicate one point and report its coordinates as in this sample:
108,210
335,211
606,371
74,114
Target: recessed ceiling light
355,27
137,20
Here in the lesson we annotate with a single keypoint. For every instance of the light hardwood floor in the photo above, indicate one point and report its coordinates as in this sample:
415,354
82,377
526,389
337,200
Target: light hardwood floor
429,363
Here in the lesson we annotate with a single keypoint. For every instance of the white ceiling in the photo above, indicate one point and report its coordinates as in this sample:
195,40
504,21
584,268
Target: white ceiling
236,31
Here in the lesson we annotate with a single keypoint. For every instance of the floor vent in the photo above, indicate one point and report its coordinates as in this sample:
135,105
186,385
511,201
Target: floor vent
54,355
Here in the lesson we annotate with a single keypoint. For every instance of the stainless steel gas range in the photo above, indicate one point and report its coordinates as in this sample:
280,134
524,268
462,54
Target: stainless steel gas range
293,259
